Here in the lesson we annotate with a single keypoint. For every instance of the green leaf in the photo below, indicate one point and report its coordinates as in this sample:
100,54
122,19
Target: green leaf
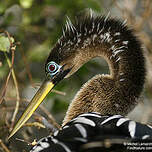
26,3
4,44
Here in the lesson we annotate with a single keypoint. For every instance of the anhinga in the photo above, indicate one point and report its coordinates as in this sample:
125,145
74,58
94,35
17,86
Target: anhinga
95,113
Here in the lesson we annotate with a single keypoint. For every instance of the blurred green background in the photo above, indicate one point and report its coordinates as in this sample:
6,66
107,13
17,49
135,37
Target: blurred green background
35,26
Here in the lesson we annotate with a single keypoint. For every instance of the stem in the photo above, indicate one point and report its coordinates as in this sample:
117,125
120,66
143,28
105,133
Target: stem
5,87
17,90
4,146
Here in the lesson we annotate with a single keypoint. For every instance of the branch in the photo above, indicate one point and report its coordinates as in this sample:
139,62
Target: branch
17,90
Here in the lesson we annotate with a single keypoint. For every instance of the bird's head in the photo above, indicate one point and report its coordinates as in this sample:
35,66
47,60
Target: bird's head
59,64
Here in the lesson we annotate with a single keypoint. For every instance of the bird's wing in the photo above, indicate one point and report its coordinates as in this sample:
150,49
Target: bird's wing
93,132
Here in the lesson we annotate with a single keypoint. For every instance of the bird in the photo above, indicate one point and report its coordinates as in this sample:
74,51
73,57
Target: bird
96,118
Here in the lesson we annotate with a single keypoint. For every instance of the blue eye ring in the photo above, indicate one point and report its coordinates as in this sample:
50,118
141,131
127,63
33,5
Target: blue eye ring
52,68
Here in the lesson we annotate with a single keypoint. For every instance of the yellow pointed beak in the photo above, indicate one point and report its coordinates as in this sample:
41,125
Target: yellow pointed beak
45,88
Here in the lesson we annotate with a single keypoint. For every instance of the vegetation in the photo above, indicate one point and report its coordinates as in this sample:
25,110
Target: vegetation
28,31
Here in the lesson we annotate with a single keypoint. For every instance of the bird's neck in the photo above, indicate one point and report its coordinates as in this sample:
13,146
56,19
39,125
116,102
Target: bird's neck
116,93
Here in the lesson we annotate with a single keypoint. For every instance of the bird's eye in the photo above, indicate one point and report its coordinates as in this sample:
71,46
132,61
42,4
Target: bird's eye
52,68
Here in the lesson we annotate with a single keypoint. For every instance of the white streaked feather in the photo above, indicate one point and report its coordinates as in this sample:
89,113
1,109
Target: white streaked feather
93,25
56,133
68,25
90,114
107,37
63,32
37,149
54,140
118,59
101,36
145,136
110,118
121,80
121,73
132,128
117,51
101,30
149,126
94,36
124,22
71,26
111,57
91,12
107,16
86,30
121,121
59,41
125,42
66,148
43,140
66,126
80,139
34,147
44,144
113,47
84,121
117,33
98,27
117,40
121,47
82,130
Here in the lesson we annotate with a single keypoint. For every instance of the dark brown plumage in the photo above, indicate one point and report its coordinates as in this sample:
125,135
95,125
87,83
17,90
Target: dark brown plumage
92,37
94,118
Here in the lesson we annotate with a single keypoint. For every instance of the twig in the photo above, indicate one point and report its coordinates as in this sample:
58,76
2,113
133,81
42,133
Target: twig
27,142
5,87
59,92
35,124
3,146
48,125
50,117
13,47
17,91
22,140
8,77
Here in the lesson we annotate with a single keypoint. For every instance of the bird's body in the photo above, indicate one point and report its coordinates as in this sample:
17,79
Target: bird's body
95,112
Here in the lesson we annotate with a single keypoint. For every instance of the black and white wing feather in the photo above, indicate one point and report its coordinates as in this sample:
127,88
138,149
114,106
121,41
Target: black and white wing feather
94,132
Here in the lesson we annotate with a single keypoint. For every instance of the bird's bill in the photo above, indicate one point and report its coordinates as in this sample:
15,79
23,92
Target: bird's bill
45,88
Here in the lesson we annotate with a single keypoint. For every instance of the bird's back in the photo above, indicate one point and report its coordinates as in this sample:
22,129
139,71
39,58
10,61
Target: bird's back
93,132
